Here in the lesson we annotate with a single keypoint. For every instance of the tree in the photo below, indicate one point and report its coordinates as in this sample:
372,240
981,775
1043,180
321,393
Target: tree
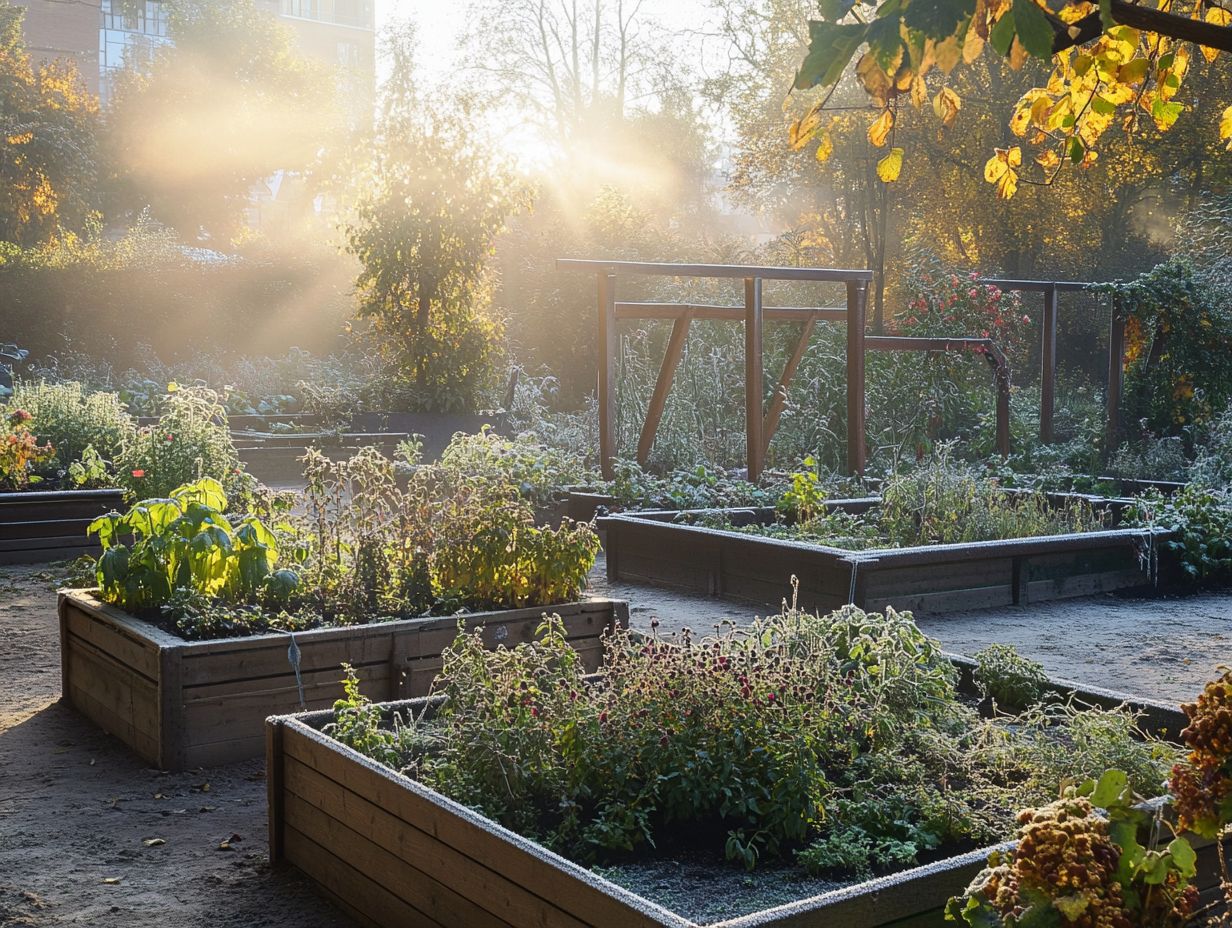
48,151
226,104
423,233
562,61
1112,59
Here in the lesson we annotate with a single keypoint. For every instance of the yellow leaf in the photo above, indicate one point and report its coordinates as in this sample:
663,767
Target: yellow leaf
1218,17
873,78
994,168
825,147
1007,186
889,167
879,131
946,105
972,46
1225,127
919,92
1048,159
804,129
948,53
1013,157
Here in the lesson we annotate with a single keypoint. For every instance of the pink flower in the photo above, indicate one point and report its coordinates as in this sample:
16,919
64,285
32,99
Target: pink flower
973,293
138,473
170,438
1026,320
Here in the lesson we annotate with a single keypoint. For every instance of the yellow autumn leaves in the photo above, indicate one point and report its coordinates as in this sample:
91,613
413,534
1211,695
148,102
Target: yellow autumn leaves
1002,170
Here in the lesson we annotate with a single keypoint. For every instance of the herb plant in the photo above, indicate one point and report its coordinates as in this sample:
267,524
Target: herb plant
190,441
839,741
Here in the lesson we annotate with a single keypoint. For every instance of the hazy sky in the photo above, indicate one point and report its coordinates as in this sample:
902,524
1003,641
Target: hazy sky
441,23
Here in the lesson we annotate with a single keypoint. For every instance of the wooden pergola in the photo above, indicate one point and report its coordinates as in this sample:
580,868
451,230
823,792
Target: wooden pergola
1051,289
760,423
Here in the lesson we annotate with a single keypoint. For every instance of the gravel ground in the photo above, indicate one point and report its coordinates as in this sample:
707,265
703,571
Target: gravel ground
91,836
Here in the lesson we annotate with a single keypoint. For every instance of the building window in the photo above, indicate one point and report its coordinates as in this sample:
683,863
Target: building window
129,35
305,9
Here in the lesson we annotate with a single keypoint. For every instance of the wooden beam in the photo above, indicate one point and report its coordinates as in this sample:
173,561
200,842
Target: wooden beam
753,371
857,294
1035,286
779,400
667,372
736,271
1048,365
607,375
703,311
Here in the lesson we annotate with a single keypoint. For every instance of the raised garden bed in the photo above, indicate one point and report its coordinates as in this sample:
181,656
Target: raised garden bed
182,704
394,852
49,525
654,547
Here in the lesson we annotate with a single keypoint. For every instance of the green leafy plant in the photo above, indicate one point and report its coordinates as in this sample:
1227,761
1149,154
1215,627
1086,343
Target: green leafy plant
73,418
1199,518
1004,675
186,542
538,471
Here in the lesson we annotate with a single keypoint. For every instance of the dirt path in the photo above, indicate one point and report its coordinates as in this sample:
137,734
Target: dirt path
76,811
76,808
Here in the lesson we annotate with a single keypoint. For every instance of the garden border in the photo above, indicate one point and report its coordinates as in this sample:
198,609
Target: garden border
393,852
49,525
182,704
650,547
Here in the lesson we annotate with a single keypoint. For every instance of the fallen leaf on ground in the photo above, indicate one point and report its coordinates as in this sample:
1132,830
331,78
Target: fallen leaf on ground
154,842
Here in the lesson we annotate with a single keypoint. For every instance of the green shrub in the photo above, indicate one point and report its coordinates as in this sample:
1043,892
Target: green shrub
189,442
73,419
538,471
1200,520
943,502
1004,675
448,540
838,739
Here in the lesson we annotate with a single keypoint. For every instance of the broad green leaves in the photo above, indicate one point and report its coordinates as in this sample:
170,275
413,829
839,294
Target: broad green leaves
161,545
831,46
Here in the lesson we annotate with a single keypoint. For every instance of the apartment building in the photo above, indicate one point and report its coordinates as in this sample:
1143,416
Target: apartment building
103,36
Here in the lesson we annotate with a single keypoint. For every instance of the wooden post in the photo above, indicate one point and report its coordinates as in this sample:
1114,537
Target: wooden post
671,359
1048,364
1002,377
607,375
1116,369
753,411
778,401
857,293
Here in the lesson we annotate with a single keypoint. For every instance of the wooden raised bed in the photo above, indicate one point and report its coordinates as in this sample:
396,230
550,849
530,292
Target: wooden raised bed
48,525
182,704
393,852
651,547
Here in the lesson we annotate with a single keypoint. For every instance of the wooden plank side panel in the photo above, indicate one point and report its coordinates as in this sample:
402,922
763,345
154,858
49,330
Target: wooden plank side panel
358,894
267,658
122,644
511,862
418,867
114,697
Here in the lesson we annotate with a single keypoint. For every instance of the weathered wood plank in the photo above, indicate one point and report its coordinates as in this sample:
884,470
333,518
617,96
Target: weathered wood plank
380,907
397,854
514,861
